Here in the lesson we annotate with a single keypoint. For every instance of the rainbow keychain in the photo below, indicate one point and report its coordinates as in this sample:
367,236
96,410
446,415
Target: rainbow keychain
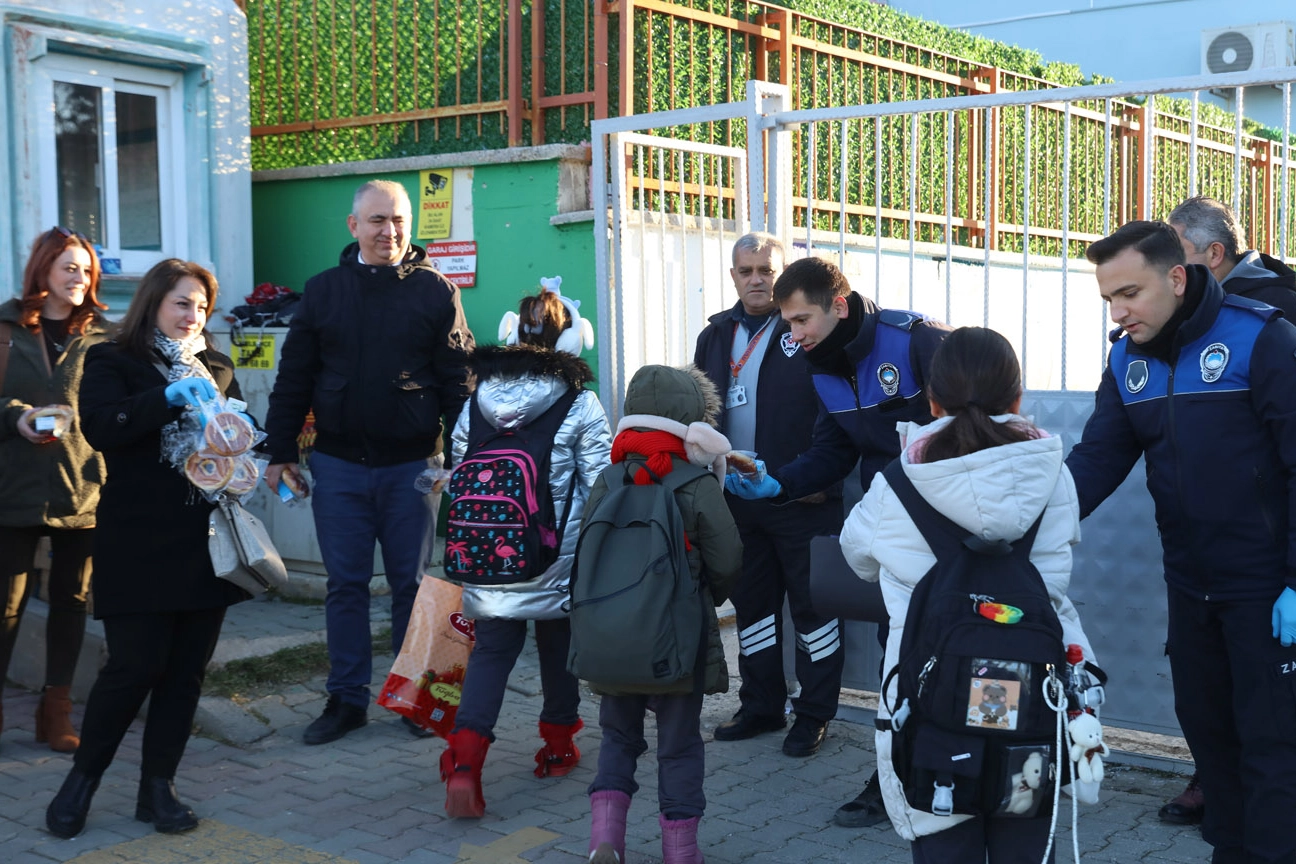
1000,613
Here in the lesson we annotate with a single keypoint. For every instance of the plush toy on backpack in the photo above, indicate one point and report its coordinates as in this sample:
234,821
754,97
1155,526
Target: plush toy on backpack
1087,748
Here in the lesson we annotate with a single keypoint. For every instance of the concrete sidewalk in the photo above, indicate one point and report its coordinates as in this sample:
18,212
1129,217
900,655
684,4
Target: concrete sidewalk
375,796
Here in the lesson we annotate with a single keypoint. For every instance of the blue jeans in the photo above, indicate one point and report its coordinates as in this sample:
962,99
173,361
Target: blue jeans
355,506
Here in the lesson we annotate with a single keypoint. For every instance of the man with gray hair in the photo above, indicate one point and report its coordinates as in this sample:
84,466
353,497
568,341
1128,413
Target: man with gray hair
1212,237
770,409
378,349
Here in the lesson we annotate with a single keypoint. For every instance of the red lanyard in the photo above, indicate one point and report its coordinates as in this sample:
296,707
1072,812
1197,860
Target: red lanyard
735,368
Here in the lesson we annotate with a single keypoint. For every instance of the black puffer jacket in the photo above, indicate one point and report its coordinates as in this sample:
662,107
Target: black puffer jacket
380,354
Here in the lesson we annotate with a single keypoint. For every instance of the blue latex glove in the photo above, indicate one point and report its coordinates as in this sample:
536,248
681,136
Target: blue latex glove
761,485
1284,618
189,391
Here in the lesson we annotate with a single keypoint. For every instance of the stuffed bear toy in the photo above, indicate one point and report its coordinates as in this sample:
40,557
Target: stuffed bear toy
1025,783
1087,748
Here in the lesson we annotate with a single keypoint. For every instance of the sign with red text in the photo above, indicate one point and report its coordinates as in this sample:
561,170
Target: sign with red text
436,195
456,260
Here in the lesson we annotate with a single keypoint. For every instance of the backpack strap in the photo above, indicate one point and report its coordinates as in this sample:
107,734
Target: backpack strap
943,534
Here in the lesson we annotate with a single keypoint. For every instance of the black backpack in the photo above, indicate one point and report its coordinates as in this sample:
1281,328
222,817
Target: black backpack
501,526
636,613
975,720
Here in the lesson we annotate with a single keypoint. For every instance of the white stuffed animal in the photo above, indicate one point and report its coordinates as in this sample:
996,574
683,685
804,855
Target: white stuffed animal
1025,783
1087,748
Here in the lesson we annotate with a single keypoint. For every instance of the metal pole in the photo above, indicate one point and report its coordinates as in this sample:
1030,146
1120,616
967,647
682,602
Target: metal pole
1026,218
1237,152
986,199
810,190
1192,146
1066,228
877,209
841,238
1286,171
1107,181
949,207
913,199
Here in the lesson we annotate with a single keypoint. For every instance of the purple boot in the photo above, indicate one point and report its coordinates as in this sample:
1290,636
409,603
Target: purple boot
679,841
608,810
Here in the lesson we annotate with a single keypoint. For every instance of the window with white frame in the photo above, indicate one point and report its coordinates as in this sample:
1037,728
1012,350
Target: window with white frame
111,156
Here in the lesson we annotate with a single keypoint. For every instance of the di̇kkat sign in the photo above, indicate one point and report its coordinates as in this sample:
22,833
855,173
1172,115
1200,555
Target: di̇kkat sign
436,204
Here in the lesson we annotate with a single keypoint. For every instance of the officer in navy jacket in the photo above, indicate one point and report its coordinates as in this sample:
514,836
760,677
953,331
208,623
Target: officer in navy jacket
748,353
1200,384
868,368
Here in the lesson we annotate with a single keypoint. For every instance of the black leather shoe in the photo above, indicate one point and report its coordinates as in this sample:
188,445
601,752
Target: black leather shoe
66,814
1186,808
746,725
157,803
338,719
805,736
416,730
866,810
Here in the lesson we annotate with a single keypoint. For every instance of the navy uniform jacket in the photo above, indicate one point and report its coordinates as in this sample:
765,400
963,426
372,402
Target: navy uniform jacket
1218,429
786,405
891,356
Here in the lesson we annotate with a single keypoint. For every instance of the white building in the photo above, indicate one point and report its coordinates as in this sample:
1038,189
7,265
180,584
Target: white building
129,124
1135,40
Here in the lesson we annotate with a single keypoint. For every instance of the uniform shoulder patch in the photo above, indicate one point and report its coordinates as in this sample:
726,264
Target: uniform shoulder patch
899,318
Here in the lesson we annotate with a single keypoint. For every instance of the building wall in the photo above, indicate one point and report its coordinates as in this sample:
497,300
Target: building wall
523,208
1128,40
203,41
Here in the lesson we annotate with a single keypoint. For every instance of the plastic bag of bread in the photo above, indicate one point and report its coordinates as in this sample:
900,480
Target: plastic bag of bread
226,430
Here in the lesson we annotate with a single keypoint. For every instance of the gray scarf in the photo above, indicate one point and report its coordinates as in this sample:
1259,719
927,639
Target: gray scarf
179,436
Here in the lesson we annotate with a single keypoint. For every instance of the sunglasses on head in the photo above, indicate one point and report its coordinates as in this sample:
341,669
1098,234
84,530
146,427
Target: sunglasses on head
70,234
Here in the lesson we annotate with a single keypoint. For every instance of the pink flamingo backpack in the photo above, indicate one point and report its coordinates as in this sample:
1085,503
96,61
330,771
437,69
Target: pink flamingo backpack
501,527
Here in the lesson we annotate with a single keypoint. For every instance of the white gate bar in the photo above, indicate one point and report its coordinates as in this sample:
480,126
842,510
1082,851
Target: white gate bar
661,238
1107,207
604,286
1148,140
949,206
809,132
1286,171
1237,152
1066,226
1192,146
877,209
1026,209
986,203
841,238
1053,97
913,199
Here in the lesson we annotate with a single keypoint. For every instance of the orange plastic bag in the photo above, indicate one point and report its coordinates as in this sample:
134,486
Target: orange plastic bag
427,678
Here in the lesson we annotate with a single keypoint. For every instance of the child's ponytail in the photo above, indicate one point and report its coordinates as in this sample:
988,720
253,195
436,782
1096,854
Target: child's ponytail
974,376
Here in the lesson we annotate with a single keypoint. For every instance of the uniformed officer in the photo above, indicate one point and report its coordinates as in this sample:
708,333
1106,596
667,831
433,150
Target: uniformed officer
868,368
1199,383
748,353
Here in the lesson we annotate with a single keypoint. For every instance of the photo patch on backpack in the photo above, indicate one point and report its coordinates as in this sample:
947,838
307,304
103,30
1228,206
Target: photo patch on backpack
997,691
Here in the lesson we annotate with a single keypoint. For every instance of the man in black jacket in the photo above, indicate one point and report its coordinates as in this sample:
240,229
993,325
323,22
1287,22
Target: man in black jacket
1198,383
377,348
1212,237
770,409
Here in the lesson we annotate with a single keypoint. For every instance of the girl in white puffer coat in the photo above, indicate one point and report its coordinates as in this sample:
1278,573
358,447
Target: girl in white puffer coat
992,472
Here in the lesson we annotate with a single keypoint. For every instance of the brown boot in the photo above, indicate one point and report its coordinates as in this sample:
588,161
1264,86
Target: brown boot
53,723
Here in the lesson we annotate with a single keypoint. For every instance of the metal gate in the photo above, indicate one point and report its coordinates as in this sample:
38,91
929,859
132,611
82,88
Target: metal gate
667,211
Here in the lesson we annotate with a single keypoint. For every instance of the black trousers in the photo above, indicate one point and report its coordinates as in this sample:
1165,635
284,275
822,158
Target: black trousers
496,650
159,655
1003,841
776,564
1235,696
69,586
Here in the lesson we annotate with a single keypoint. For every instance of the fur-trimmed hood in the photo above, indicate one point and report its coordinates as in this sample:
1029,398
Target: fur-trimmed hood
517,361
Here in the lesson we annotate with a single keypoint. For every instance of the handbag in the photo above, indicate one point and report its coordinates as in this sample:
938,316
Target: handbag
241,550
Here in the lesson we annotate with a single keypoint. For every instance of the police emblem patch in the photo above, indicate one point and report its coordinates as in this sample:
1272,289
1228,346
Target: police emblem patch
789,347
889,377
1136,376
1214,359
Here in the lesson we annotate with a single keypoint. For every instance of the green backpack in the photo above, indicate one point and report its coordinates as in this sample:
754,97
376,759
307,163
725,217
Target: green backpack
636,613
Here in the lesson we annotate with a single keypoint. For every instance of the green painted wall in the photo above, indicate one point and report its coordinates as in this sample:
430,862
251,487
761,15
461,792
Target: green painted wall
299,227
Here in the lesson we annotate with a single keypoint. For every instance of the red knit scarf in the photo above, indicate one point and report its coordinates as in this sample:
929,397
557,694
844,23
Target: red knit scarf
657,446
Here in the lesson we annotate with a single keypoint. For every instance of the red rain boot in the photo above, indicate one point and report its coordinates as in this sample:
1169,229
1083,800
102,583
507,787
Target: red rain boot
461,767
559,755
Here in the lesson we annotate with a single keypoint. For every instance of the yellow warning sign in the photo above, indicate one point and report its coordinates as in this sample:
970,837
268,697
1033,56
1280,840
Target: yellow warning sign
436,190
254,352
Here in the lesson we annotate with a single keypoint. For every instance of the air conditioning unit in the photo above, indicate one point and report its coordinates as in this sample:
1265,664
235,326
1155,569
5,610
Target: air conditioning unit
1248,48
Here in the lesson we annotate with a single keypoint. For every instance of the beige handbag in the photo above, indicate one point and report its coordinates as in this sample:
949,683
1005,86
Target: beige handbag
241,550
